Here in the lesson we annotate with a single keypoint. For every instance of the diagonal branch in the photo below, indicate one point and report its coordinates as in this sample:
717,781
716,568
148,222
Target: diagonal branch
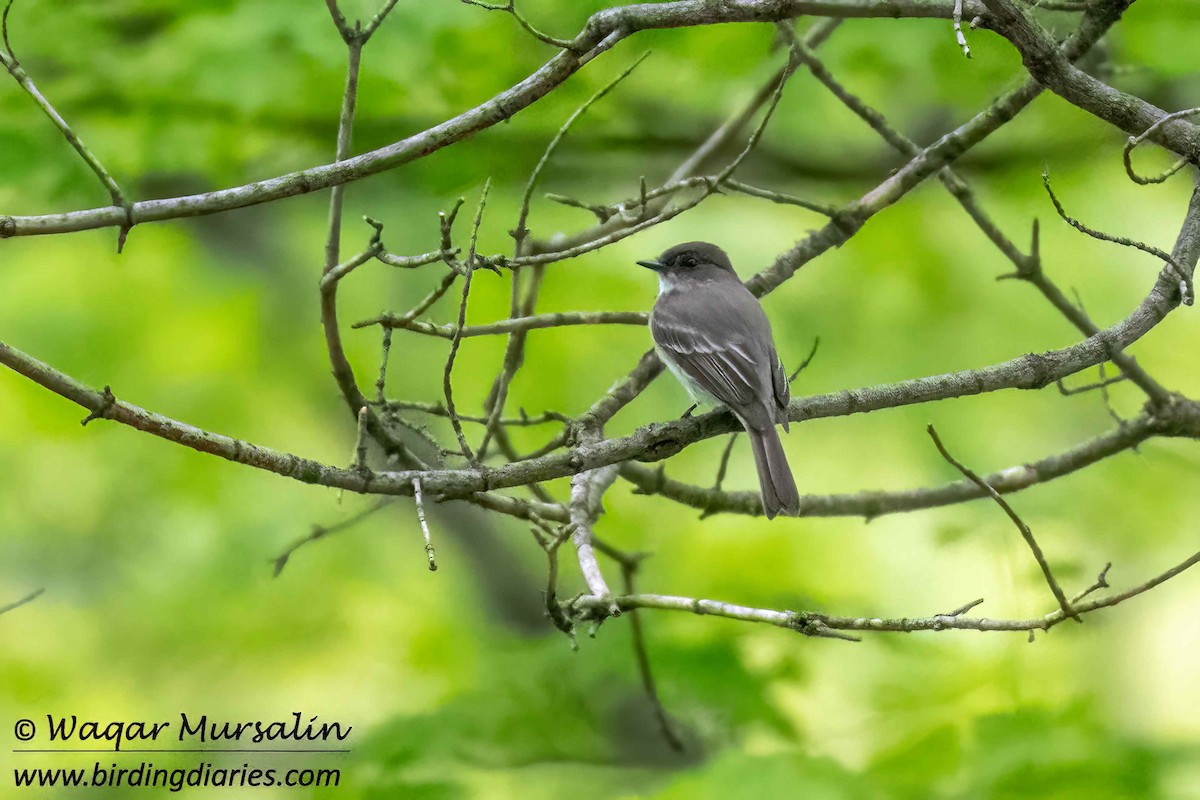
10,62
1026,533
1047,64
1185,278
29,598
602,31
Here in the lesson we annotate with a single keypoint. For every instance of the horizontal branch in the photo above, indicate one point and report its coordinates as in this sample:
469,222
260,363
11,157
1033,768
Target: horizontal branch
822,625
872,504
557,320
603,30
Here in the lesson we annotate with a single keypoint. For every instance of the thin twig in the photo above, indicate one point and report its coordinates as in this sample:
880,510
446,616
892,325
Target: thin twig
1029,269
331,272
873,504
950,179
386,350
437,410
640,652
510,8
378,19
964,608
1134,141
321,531
1026,533
456,339
956,19
1101,583
13,65
420,501
1186,290
550,539
360,447
807,360
29,598
434,295
1067,391
514,350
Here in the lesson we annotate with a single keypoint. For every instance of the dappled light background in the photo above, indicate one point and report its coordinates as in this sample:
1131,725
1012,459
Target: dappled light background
157,560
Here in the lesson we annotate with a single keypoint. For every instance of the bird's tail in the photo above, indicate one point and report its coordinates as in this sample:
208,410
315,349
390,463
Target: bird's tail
774,475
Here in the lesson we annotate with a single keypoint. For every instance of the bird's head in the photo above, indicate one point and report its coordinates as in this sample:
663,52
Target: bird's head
691,259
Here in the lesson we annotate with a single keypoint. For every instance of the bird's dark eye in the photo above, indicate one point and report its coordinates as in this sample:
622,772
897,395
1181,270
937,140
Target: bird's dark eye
689,262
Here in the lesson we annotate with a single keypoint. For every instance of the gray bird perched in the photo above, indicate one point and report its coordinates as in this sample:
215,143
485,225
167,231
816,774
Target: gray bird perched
712,334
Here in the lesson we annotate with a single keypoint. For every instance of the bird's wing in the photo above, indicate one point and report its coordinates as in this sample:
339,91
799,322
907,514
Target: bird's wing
733,369
782,389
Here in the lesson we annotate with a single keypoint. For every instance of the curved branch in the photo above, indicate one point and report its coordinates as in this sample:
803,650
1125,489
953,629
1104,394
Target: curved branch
870,505
1047,65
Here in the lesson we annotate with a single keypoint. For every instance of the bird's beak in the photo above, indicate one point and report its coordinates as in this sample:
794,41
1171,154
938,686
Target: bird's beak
654,265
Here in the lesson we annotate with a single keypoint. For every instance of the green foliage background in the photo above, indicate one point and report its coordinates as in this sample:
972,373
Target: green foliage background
156,559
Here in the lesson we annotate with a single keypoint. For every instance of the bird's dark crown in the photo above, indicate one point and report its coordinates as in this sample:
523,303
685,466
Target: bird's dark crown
692,255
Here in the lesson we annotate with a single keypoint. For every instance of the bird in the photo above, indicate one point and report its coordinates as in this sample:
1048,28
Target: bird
714,336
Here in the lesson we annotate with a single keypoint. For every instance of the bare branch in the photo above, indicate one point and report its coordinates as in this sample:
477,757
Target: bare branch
29,598
851,219
1101,583
814,624
386,350
643,661
602,31
440,411
510,7
1134,141
872,504
563,319
658,441
360,448
1048,65
319,532
420,500
691,166
1185,277
587,491
10,62
964,608
956,19
514,351
447,386
1026,533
